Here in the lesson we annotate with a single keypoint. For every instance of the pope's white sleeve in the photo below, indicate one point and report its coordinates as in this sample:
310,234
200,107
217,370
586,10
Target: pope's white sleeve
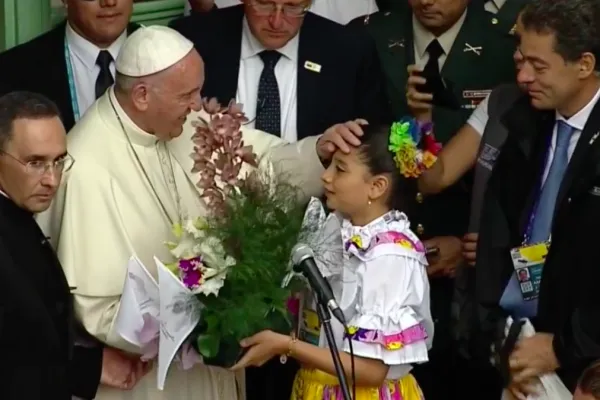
297,162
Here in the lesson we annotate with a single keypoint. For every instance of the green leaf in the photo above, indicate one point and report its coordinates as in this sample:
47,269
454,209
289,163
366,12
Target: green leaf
208,345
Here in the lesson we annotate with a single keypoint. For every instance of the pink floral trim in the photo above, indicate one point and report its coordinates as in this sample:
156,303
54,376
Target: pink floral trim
396,341
385,238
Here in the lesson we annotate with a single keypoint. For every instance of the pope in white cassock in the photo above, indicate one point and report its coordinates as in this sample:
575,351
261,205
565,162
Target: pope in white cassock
132,180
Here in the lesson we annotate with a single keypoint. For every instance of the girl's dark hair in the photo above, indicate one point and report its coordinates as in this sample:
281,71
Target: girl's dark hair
380,160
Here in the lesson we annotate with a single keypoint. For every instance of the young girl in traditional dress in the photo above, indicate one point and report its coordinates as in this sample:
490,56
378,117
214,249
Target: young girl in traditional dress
382,286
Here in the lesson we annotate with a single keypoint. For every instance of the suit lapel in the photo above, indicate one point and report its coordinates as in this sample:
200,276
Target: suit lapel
222,72
308,80
582,165
529,129
58,80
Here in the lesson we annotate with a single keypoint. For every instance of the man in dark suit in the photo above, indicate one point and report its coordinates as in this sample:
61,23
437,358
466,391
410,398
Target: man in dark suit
545,190
73,63
296,73
37,327
450,40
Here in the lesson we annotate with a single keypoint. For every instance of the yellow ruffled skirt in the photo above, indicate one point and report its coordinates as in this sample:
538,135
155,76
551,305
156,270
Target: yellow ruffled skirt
317,385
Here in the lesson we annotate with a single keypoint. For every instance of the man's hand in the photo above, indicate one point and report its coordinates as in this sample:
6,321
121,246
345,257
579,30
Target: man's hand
532,358
120,370
202,5
419,103
448,258
340,136
469,248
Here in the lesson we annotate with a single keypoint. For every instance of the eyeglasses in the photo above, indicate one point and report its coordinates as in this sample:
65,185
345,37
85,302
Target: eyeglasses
40,168
267,8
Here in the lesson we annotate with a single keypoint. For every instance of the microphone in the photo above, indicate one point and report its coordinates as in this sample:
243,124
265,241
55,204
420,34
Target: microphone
303,260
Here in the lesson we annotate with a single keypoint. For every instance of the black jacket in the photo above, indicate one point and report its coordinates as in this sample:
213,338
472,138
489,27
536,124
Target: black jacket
39,66
569,306
37,328
349,85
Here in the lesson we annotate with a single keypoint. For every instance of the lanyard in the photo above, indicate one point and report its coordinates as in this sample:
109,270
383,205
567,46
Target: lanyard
540,186
71,79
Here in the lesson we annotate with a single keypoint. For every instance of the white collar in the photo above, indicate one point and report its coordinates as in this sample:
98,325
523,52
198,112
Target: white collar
422,37
251,46
88,52
498,3
579,120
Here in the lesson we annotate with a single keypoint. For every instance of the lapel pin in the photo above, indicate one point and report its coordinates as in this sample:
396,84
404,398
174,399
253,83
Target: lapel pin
396,43
593,139
311,66
474,49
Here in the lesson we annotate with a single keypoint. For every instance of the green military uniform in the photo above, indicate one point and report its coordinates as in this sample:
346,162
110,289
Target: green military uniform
505,19
480,59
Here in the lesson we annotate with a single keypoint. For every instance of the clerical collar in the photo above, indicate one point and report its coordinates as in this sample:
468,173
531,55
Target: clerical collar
136,134
422,37
88,52
251,46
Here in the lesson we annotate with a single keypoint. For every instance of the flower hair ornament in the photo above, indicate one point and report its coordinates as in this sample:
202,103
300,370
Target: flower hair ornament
405,137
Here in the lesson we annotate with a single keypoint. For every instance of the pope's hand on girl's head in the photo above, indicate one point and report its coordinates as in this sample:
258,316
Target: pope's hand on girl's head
340,136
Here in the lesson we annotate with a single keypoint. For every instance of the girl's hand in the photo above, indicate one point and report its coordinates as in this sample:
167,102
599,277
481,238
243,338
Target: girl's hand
261,348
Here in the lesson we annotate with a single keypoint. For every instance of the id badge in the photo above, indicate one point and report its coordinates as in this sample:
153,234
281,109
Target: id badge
528,262
310,326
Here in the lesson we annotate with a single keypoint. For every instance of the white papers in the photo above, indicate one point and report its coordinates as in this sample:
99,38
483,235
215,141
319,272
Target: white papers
550,385
179,315
140,296
150,314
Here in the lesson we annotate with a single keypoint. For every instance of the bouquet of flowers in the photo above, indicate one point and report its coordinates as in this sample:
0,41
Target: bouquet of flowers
236,258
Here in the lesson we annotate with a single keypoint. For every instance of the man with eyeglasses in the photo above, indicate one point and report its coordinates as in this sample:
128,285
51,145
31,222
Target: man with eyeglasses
340,11
296,73
37,323
72,64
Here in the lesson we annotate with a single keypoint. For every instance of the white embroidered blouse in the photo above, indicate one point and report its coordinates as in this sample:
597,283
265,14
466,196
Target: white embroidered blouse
383,290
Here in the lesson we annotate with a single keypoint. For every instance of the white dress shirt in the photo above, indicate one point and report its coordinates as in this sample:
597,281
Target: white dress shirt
422,38
83,56
286,73
340,11
479,118
577,122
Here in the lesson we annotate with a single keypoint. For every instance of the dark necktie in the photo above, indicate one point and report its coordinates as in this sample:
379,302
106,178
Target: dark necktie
105,78
268,105
435,51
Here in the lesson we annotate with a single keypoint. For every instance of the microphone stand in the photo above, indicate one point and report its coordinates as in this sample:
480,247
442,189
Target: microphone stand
325,318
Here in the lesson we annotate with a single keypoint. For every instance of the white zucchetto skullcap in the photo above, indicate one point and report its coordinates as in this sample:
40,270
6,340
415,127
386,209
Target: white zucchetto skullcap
151,49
